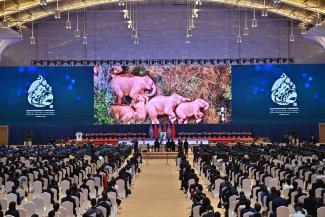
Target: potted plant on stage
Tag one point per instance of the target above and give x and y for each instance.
(28, 139)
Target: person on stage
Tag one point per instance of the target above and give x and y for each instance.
(157, 145)
(185, 145)
(168, 145)
(180, 146)
(136, 146)
(172, 145)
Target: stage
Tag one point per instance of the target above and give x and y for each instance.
(191, 141)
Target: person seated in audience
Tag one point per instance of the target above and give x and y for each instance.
(48, 190)
(298, 212)
(206, 206)
(1, 212)
(287, 184)
(75, 191)
(247, 208)
(124, 175)
(12, 210)
(299, 194)
(56, 207)
(85, 186)
(14, 191)
(264, 192)
(278, 201)
(225, 195)
(256, 185)
(104, 202)
(241, 201)
(70, 199)
(93, 210)
(257, 208)
(319, 184)
(51, 213)
(111, 188)
(295, 188)
(310, 203)
(320, 175)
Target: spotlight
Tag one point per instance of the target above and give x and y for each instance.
(318, 21)
(20, 32)
(292, 37)
(77, 33)
(239, 40)
(264, 13)
(303, 30)
(57, 14)
(68, 24)
(246, 31)
(5, 24)
(32, 40)
(254, 23)
(84, 40)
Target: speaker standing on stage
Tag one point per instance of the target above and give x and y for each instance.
(185, 145)
(157, 145)
(136, 146)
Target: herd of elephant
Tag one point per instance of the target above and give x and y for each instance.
(142, 90)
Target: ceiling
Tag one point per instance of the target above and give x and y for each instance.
(19, 12)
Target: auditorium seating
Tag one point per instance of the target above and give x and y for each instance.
(248, 169)
(44, 176)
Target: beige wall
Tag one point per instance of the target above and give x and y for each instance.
(4, 131)
(322, 133)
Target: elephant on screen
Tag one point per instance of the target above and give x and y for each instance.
(188, 109)
(164, 105)
(133, 86)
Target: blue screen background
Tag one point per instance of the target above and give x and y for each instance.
(251, 93)
(72, 90)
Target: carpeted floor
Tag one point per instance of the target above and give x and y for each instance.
(156, 193)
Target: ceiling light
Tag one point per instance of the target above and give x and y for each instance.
(254, 20)
(20, 32)
(32, 38)
(68, 22)
(292, 36)
(77, 31)
(84, 38)
(264, 10)
(57, 12)
(246, 29)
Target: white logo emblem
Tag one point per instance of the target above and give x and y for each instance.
(284, 91)
(40, 93)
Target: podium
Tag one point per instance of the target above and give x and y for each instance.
(79, 136)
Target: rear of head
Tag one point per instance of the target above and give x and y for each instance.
(257, 207)
(56, 207)
(12, 205)
(248, 203)
(51, 213)
(93, 202)
(68, 192)
(295, 184)
(278, 193)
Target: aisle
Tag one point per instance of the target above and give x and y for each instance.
(156, 193)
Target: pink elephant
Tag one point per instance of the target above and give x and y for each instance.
(133, 86)
(164, 105)
(188, 109)
(124, 113)
(128, 114)
(140, 112)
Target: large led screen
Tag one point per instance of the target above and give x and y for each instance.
(161, 94)
(278, 93)
(46, 95)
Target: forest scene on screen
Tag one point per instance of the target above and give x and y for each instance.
(161, 94)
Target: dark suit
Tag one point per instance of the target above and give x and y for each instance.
(245, 210)
(277, 202)
(72, 200)
(310, 204)
(106, 205)
(14, 213)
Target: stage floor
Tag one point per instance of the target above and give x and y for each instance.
(191, 141)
